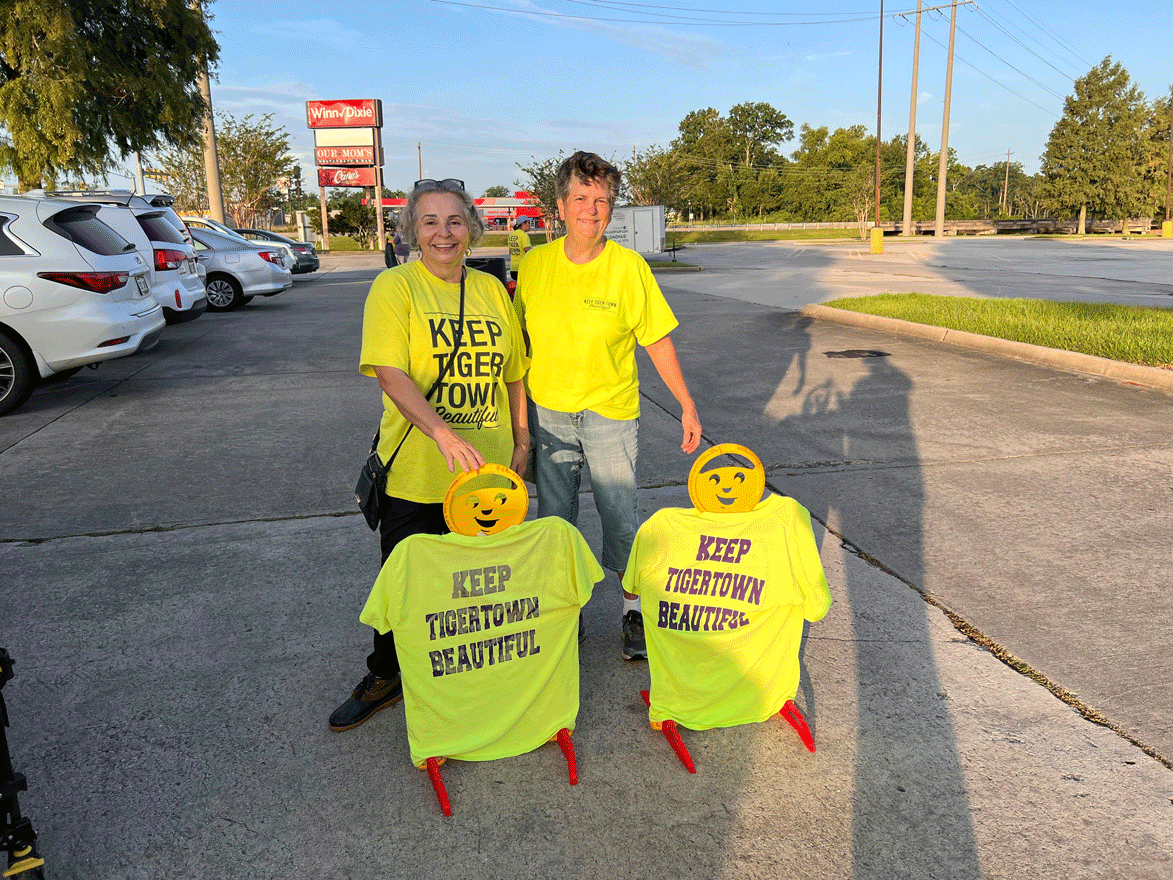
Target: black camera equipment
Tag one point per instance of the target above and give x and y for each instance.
(17, 837)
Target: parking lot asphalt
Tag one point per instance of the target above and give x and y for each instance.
(183, 570)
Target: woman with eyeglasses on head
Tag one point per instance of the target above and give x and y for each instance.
(446, 346)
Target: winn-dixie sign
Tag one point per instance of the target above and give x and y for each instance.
(357, 113)
(346, 177)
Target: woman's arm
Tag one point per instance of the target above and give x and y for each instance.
(663, 355)
(519, 417)
(415, 408)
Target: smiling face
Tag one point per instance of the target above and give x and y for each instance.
(586, 210)
(730, 489)
(486, 506)
(443, 234)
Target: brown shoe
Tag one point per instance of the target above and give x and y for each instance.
(371, 695)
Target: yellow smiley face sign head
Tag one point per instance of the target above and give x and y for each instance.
(733, 489)
(485, 501)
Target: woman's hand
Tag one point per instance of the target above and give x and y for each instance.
(692, 431)
(520, 458)
(457, 451)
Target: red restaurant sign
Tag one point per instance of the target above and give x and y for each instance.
(344, 155)
(346, 177)
(359, 113)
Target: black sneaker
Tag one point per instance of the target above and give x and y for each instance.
(371, 695)
(633, 636)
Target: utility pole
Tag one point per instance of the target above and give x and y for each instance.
(138, 174)
(1006, 185)
(211, 157)
(939, 226)
(1169, 173)
(879, 95)
(419, 153)
(910, 153)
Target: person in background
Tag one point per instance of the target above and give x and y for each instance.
(402, 248)
(519, 244)
(421, 318)
(586, 303)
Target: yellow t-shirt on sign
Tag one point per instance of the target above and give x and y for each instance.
(409, 323)
(487, 634)
(584, 323)
(724, 596)
(518, 244)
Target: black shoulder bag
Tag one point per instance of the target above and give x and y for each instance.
(372, 479)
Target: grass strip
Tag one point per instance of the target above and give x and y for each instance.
(1132, 334)
(719, 235)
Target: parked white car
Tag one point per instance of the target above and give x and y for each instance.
(238, 270)
(175, 281)
(291, 255)
(72, 292)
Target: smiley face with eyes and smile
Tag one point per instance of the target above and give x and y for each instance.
(488, 507)
(731, 489)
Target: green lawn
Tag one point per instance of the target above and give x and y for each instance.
(719, 235)
(1133, 334)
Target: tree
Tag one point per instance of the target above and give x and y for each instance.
(540, 186)
(497, 192)
(254, 155)
(349, 216)
(1098, 157)
(656, 177)
(83, 82)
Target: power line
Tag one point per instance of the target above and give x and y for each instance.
(996, 24)
(538, 13)
(991, 79)
(1046, 30)
(1042, 86)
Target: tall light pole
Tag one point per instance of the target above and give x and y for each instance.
(879, 96)
(211, 157)
(939, 226)
(910, 152)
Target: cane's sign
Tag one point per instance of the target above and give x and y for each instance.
(346, 177)
(356, 113)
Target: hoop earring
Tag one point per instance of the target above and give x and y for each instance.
(468, 253)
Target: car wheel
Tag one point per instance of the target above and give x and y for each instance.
(16, 378)
(224, 293)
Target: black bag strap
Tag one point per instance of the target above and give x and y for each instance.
(457, 338)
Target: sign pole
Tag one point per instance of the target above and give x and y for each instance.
(325, 220)
(379, 189)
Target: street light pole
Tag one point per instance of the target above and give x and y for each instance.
(910, 152)
(943, 167)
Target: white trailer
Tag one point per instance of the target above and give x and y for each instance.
(639, 227)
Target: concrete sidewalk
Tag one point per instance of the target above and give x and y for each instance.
(180, 635)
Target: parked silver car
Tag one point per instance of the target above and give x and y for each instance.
(238, 270)
(72, 292)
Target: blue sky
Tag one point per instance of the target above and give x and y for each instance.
(484, 84)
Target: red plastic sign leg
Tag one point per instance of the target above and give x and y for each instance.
(791, 714)
(647, 695)
(678, 745)
(568, 751)
(438, 785)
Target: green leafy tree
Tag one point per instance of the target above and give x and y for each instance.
(656, 177)
(254, 157)
(539, 183)
(84, 82)
(1098, 158)
(497, 192)
(350, 217)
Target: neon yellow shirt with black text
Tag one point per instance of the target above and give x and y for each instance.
(584, 323)
(409, 322)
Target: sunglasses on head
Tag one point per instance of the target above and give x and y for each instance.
(451, 184)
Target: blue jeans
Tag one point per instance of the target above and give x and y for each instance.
(609, 447)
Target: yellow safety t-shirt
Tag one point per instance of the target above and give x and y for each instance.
(518, 244)
(724, 596)
(487, 634)
(409, 323)
(584, 323)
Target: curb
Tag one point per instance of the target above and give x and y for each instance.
(1150, 377)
